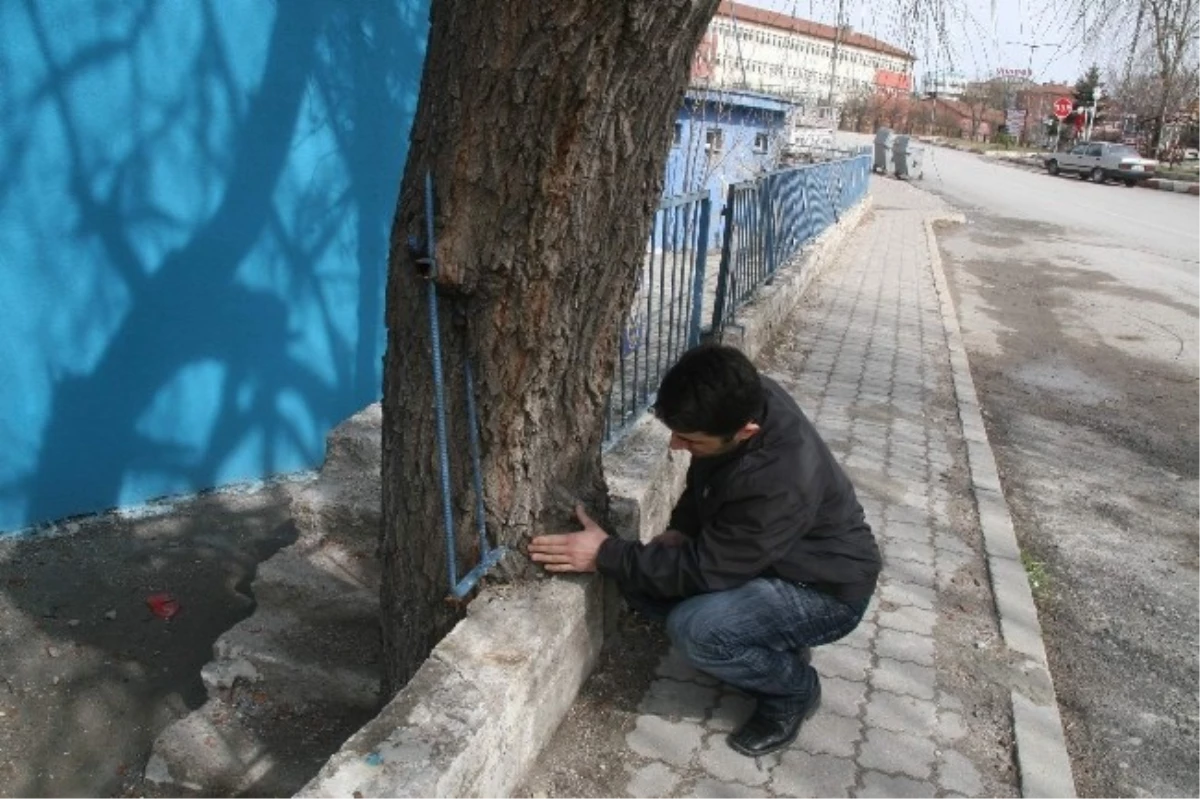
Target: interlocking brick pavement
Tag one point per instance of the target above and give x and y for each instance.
(868, 361)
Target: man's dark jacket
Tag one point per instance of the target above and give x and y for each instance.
(777, 506)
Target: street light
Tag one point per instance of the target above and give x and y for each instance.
(1033, 47)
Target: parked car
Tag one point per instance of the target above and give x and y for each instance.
(1101, 162)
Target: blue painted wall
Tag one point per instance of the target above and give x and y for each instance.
(740, 117)
(194, 208)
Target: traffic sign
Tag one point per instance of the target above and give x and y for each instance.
(1014, 121)
(1063, 107)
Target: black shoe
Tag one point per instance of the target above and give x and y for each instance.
(762, 735)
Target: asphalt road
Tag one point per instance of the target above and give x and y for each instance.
(1079, 308)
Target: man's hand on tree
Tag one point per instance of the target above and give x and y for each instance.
(570, 552)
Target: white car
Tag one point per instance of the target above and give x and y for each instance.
(1101, 162)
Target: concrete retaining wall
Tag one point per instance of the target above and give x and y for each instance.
(479, 711)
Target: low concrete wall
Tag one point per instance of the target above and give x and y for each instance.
(484, 704)
(479, 711)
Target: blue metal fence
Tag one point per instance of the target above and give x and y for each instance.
(665, 319)
(769, 219)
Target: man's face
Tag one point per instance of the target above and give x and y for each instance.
(703, 445)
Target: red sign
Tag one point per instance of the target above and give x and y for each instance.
(895, 81)
(1063, 107)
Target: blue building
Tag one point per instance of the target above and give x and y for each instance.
(723, 137)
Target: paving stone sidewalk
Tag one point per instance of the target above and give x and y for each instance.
(915, 700)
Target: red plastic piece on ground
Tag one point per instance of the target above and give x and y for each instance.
(164, 606)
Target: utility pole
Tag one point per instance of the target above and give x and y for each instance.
(1033, 48)
(737, 38)
(837, 42)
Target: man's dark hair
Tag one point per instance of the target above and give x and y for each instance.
(711, 389)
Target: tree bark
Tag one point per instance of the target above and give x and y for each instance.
(546, 128)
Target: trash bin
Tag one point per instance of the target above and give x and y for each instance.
(883, 151)
(907, 157)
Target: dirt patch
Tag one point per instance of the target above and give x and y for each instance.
(973, 665)
(90, 675)
(1097, 447)
(586, 755)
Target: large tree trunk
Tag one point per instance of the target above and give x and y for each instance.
(546, 127)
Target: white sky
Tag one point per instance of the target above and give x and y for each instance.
(977, 40)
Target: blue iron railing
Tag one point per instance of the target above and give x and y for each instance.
(769, 219)
(766, 223)
(665, 319)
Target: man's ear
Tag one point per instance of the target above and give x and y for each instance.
(749, 430)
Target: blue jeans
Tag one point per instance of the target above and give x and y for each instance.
(750, 637)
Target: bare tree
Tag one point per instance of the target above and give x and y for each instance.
(856, 110)
(981, 97)
(1174, 24)
(1161, 33)
(1138, 93)
(545, 127)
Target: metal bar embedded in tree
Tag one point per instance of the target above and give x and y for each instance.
(488, 556)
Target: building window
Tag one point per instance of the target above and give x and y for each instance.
(761, 143)
(677, 139)
(713, 139)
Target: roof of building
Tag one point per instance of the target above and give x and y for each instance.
(1057, 89)
(739, 98)
(785, 22)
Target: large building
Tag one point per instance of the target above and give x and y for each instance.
(764, 51)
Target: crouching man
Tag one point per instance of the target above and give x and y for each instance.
(767, 553)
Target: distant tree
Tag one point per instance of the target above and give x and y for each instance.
(1157, 35)
(981, 97)
(1088, 99)
(856, 111)
(1086, 86)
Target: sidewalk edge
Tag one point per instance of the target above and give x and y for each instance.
(1042, 758)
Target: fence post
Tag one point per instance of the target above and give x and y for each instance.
(768, 226)
(723, 270)
(833, 189)
(698, 272)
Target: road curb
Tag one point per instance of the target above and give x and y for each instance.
(1042, 758)
(1177, 186)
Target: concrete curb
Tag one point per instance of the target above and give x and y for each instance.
(479, 711)
(1177, 186)
(1042, 757)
